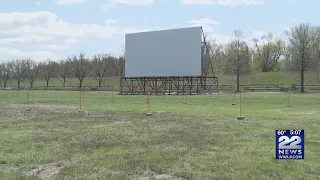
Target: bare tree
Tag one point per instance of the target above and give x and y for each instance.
(239, 55)
(18, 68)
(210, 51)
(113, 66)
(121, 65)
(64, 71)
(5, 73)
(287, 59)
(80, 67)
(215, 51)
(302, 40)
(48, 71)
(206, 64)
(269, 52)
(99, 66)
(316, 55)
(32, 71)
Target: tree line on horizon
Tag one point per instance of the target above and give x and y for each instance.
(300, 52)
(99, 66)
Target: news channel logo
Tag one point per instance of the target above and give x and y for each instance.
(289, 144)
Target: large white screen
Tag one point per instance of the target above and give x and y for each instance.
(174, 52)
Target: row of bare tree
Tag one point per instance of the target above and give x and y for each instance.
(299, 52)
(99, 66)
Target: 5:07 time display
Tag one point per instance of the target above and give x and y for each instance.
(295, 132)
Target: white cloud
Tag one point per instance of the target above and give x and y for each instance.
(11, 53)
(197, 2)
(113, 3)
(111, 21)
(69, 2)
(34, 40)
(223, 2)
(106, 7)
(220, 38)
(205, 23)
(258, 33)
(38, 3)
(43, 30)
(127, 30)
(46, 29)
(131, 2)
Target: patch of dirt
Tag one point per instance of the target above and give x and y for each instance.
(121, 122)
(264, 92)
(159, 112)
(303, 113)
(276, 110)
(5, 167)
(35, 111)
(158, 176)
(45, 172)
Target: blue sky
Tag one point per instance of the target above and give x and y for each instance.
(56, 29)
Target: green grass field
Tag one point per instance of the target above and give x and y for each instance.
(285, 78)
(43, 136)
